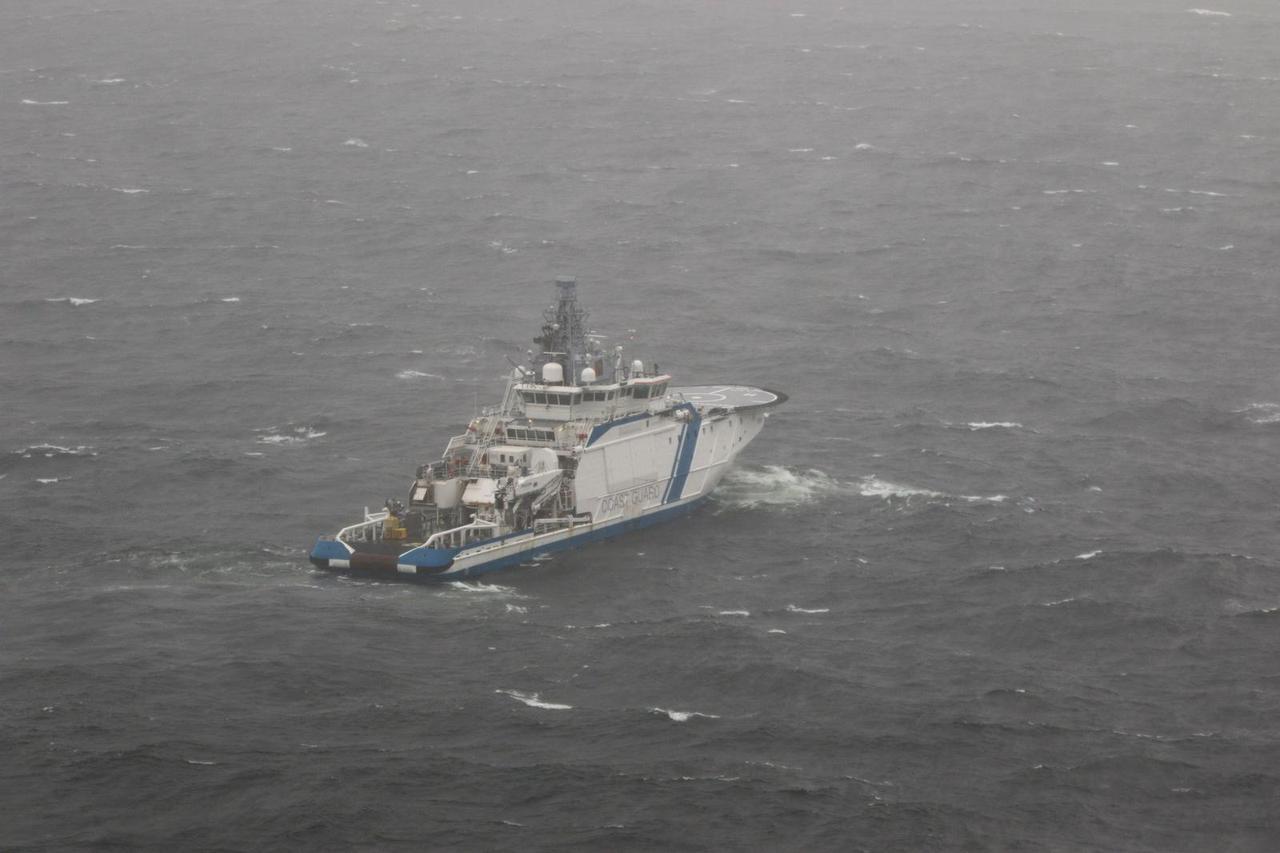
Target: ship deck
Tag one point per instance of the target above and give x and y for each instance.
(736, 397)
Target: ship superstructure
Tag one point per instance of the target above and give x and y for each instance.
(584, 445)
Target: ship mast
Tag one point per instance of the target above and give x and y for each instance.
(564, 333)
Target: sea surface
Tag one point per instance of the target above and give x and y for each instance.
(1003, 574)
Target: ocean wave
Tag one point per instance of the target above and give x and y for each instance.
(1209, 13)
(532, 700)
(417, 374)
(682, 716)
(76, 301)
(484, 589)
(794, 609)
(774, 486)
(977, 425)
(289, 435)
(873, 487)
(1260, 413)
(49, 451)
(32, 103)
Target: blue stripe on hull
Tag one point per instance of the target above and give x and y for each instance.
(693, 428)
(586, 538)
(609, 532)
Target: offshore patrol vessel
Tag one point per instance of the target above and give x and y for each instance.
(583, 447)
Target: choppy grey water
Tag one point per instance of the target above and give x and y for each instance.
(1002, 574)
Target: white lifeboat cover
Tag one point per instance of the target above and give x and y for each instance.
(479, 492)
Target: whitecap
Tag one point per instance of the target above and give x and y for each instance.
(32, 103)
(51, 450)
(110, 81)
(794, 609)
(874, 487)
(532, 700)
(800, 150)
(683, 716)
(1088, 555)
(356, 142)
(75, 301)
(734, 613)
(864, 146)
(46, 481)
(515, 608)
(201, 763)
(296, 436)
(1212, 13)
(1261, 413)
(775, 631)
(1057, 603)
(129, 190)
(231, 299)
(483, 588)
(979, 499)
(774, 486)
(417, 374)
(977, 425)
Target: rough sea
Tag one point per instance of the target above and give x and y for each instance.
(1001, 575)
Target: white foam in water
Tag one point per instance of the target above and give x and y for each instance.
(794, 609)
(32, 103)
(683, 716)
(1214, 13)
(129, 190)
(977, 425)
(46, 482)
(734, 613)
(1261, 413)
(417, 374)
(231, 299)
(532, 700)
(49, 451)
(1088, 555)
(774, 485)
(297, 436)
(77, 301)
(484, 588)
(356, 142)
(874, 487)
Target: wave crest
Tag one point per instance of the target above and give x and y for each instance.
(774, 486)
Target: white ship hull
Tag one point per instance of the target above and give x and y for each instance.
(556, 466)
